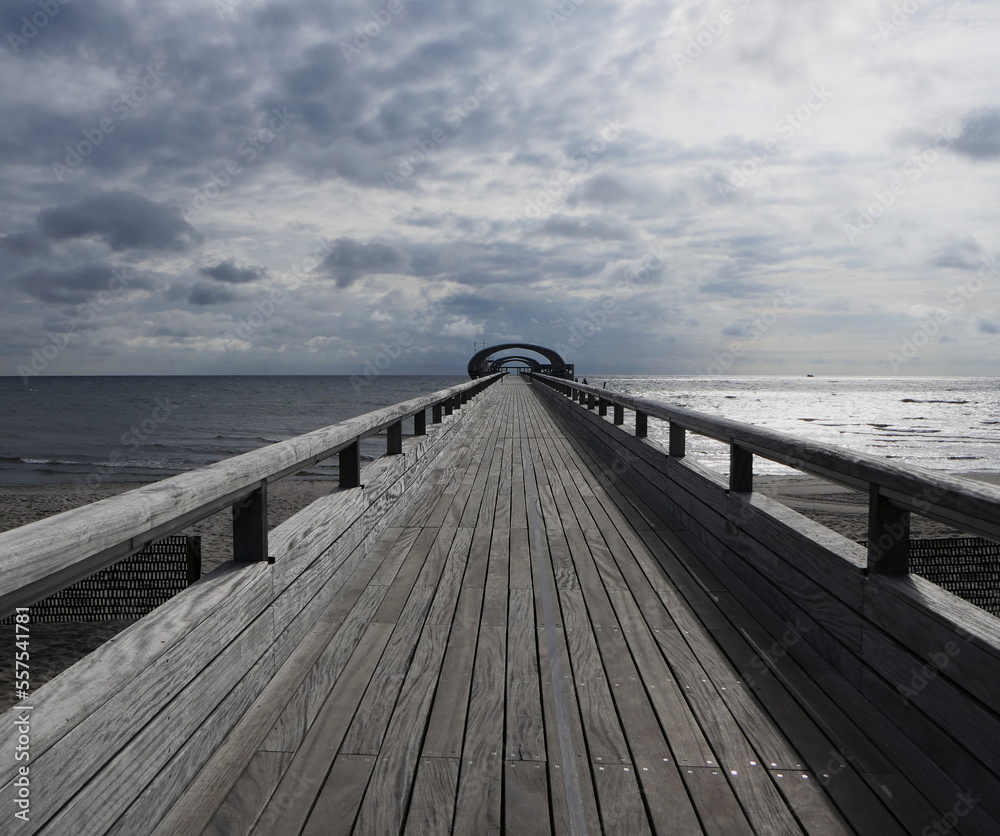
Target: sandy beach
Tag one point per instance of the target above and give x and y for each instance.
(55, 647)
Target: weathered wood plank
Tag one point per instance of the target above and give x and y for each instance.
(304, 779)
(244, 804)
(525, 730)
(384, 807)
(367, 730)
(715, 801)
(446, 727)
(526, 798)
(433, 804)
(620, 801)
(478, 808)
(336, 808)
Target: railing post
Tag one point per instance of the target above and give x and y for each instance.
(888, 535)
(641, 424)
(420, 422)
(350, 465)
(394, 439)
(619, 414)
(602, 406)
(740, 469)
(250, 527)
(591, 401)
(436, 414)
(678, 440)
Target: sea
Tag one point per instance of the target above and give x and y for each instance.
(140, 429)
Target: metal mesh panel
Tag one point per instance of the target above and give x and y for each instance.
(968, 567)
(130, 588)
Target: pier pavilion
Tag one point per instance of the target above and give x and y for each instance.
(527, 617)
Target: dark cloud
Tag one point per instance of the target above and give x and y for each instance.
(988, 326)
(980, 137)
(24, 243)
(205, 293)
(586, 228)
(227, 271)
(122, 219)
(965, 254)
(350, 260)
(606, 189)
(72, 285)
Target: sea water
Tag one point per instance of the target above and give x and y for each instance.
(948, 424)
(69, 429)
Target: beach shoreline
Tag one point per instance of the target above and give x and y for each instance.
(55, 647)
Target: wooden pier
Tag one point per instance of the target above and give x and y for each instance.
(527, 618)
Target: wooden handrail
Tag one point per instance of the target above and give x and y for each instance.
(892, 488)
(39, 559)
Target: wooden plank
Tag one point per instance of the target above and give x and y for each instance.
(715, 801)
(811, 805)
(478, 807)
(526, 798)
(667, 801)
(449, 585)
(299, 714)
(402, 584)
(525, 729)
(520, 559)
(384, 807)
(336, 807)
(433, 804)
(139, 759)
(244, 804)
(605, 739)
(367, 730)
(446, 727)
(622, 810)
(290, 805)
(164, 793)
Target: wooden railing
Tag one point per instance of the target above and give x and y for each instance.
(43, 557)
(894, 490)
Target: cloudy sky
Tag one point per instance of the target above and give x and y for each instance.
(739, 187)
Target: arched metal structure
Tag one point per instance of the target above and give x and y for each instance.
(499, 363)
(481, 363)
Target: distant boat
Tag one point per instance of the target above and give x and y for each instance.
(809, 375)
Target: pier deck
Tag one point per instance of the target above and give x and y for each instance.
(531, 650)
